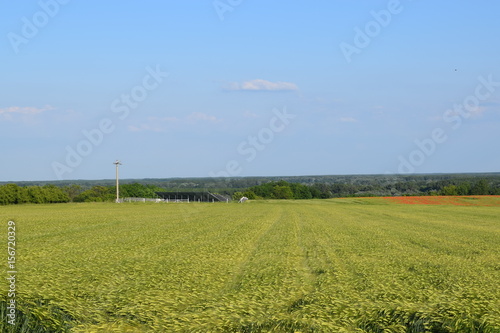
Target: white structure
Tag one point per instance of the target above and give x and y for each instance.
(243, 199)
(117, 163)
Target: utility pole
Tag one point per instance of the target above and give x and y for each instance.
(117, 163)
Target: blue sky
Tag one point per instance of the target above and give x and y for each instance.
(247, 88)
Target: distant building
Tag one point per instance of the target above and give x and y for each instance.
(202, 196)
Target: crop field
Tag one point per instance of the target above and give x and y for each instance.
(486, 200)
(339, 265)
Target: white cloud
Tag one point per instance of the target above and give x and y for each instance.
(164, 119)
(249, 114)
(199, 116)
(144, 127)
(348, 120)
(263, 85)
(9, 112)
(478, 111)
(473, 112)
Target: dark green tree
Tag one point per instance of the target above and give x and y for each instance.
(96, 194)
(464, 188)
(481, 188)
(237, 196)
(250, 194)
(449, 190)
(282, 192)
(72, 191)
(54, 194)
(8, 194)
(300, 191)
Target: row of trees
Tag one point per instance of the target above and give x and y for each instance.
(108, 193)
(279, 190)
(411, 188)
(349, 186)
(285, 190)
(14, 194)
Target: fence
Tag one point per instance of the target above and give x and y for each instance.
(153, 200)
(141, 200)
(187, 196)
(182, 197)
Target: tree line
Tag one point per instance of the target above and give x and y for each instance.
(15, 194)
(98, 193)
(304, 187)
(382, 183)
(285, 190)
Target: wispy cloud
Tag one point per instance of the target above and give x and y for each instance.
(262, 85)
(27, 115)
(472, 112)
(199, 116)
(249, 114)
(348, 120)
(164, 119)
(144, 127)
(23, 110)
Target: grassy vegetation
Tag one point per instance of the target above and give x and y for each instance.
(340, 265)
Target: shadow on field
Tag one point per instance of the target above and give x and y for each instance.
(410, 321)
(40, 316)
(36, 316)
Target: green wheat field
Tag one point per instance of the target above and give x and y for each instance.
(339, 265)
